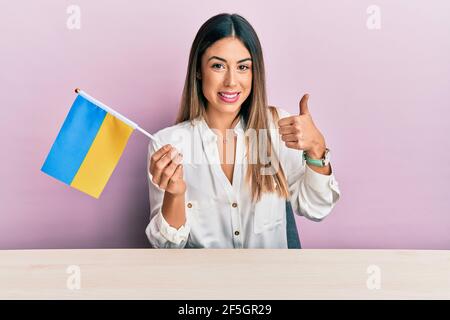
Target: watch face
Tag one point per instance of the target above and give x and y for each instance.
(327, 156)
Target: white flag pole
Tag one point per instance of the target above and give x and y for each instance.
(117, 115)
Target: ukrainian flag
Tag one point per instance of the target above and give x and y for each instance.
(88, 146)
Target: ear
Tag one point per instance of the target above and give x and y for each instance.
(199, 76)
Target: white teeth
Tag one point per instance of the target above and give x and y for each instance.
(228, 96)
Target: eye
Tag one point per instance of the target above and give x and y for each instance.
(217, 66)
(243, 67)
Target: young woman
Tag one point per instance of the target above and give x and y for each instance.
(230, 162)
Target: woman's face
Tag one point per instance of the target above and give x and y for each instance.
(226, 73)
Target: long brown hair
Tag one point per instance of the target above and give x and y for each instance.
(253, 110)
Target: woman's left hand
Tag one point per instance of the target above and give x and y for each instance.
(299, 132)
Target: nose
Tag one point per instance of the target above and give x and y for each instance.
(230, 78)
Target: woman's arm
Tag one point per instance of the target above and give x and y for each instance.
(173, 210)
(313, 190)
(168, 227)
(300, 132)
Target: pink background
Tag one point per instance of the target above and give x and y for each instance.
(380, 97)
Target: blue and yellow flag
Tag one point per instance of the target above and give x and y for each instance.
(88, 146)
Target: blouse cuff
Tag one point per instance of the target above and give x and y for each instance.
(172, 234)
(319, 182)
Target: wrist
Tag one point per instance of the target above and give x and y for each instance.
(174, 195)
(317, 152)
(177, 189)
(322, 159)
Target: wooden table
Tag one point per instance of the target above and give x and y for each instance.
(224, 274)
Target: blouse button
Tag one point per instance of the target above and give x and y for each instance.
(236, 233)
(189, 205)
(234, 205)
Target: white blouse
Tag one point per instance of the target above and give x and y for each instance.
(220, 214)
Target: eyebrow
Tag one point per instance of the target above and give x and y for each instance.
(222, 59)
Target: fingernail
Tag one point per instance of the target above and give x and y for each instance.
(173, 153)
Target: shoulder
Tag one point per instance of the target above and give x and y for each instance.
(166, 133)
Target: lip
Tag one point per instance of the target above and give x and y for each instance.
(229, 99)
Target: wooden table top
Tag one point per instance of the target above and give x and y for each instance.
(228, 274)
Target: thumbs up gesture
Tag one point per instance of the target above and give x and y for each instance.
(299, 132)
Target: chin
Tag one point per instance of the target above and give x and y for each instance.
(227, 108)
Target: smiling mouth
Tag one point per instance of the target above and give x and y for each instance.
(229, 97)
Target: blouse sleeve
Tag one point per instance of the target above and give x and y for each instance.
(313, 195)
(158, 231)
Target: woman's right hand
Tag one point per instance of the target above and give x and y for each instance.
(166, 170)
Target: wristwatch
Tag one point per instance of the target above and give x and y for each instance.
(318, 162)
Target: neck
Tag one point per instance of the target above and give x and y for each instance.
(221, 121)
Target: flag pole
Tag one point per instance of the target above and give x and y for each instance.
(117, 115)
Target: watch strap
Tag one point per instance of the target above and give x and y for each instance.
(315, 162)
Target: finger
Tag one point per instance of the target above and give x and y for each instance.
(289, 137)
(161, 164)
(303, 105)
(158, 155)
(169, 171)
(177, 175)
(287, 129)
(161, 152)
(286, 121)
(293, 145)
